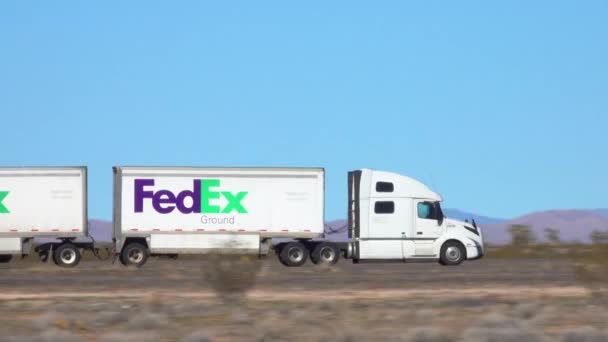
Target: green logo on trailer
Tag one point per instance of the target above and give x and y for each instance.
(3, 209)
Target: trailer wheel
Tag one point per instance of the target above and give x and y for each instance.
(5, 258)
(66, 255)
(325, 254)
(293, 254)
(134, 254)
(452, 253)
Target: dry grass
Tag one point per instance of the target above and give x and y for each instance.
(229, 298)
(414, 319)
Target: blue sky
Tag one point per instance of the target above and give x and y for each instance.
(501, 107)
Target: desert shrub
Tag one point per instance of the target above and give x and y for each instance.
(521, 235)
(130, 336)
(145, 320)
(270, 335)
(52, 320)
(56, 335)
(584, 334)
(599, 238)
(197, 336)
(499, 328)
(591, 266)
(426, 334)
(526, 310)
(552, 236)
(425, 315)
(109, 317)
(231, 276)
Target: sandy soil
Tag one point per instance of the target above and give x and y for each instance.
(182, 299)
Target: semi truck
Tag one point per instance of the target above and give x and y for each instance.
(190, 210)
(47, 203)
(199, 210)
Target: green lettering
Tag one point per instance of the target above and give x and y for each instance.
(207, 195)
(3, 209)
(234, 202)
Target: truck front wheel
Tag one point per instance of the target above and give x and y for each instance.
(66, 255)
(293, 254)
(325, 254)
(134, 254)
(452, 254)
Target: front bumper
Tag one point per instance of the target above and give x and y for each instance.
(474, 252)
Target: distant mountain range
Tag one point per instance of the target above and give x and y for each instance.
(602, 212)
(463, 215)
(573, 225)
(100, 230)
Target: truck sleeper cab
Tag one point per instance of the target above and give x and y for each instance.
(393, 217)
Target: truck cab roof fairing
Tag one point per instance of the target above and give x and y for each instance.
(403, 186)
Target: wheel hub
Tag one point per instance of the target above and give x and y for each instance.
(68, 256)
(328, 254)
(136, 256)
(295, 255)
(452, 253)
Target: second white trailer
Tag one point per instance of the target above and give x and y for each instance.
(46, 202)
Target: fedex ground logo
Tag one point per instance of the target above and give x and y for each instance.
(203, 198)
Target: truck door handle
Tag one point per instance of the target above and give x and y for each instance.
(419, 233)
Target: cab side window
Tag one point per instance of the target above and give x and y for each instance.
(385, 187)
(426, 210)
(384, 207)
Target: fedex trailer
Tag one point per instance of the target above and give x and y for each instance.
(43, 202)
(189, 210)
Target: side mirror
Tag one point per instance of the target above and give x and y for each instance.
(440, 216)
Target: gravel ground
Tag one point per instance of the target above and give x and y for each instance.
(209, 300)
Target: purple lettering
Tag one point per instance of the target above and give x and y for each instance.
(196, 199)
(140, 194)
(165, 201)
(163, 197)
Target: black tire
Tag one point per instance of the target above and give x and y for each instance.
(134, 254)
(66, 255)
(325, 254)
(293, 254)
(452, 254)
(4, 258)
(277, 250)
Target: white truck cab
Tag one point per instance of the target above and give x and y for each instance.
(394, 217)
